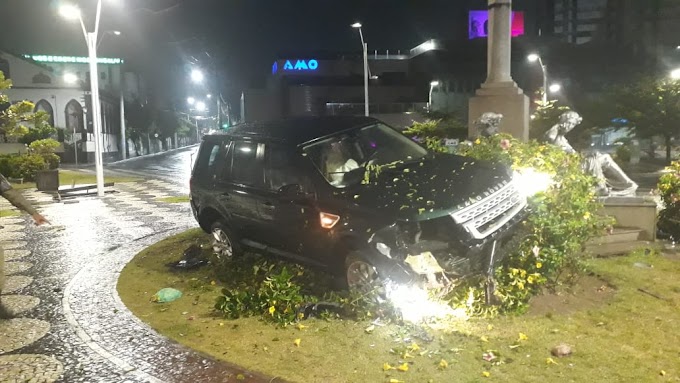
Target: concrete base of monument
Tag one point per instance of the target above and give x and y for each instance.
(504, 98)
(635, 226)
(636, 212)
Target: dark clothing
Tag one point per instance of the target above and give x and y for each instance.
(14, 197)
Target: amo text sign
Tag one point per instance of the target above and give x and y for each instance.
(300, 65)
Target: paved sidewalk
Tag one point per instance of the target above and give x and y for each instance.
(72, 327)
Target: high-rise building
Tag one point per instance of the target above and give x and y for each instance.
(578, 21)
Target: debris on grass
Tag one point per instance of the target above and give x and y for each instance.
(561, 350)
(166, 295)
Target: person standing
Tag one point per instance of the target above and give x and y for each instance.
(16, 199)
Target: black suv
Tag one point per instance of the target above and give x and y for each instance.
(354, 196)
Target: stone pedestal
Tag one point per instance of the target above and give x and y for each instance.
(637, 212)
(499, 93)
(507, 100)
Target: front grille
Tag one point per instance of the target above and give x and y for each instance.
(489, 214)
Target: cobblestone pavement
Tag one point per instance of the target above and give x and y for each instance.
(72, 327)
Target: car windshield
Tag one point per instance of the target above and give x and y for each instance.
(344, 156)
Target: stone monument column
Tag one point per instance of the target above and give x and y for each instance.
(499, 93)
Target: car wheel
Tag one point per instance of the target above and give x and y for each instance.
(225, 243)
(360, 274)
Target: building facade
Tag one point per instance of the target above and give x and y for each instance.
(41, 80)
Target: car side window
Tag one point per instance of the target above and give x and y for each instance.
(247, 165)
(207, 159)
(281, 168)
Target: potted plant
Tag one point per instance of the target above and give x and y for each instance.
(47, 179)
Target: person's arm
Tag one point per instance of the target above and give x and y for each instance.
(15, 198)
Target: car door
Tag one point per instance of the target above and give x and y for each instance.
(241, 187)
(290, 222)
(209, 162)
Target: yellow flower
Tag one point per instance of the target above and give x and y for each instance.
(530, 279)
(477, 141)
(300, 326)
(407, 355)
(486, 374)
(539, 265)
(403, 367)
(271, 310)
(514, 271)
(297, 341)
(443, 364)
(523, 336)
(550, 361)
(414, 347)
(392, 380)
(387, 367)
(520, 285)
(586, 215)
(483, 338)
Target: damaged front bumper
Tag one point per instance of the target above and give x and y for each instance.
(425, 259)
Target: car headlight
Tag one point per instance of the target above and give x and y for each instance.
(529, 182)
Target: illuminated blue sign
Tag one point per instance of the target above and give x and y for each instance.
(300, 65)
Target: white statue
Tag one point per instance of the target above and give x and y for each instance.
(611, 179)
(487, 124)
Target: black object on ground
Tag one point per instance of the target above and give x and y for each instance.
(191, 259)
(311, 310)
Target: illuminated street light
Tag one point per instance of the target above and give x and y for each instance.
(200, 106)
(209, 95)
(191, 100)
(117, 33)
(554, 88)
(196, 76)
(72, 12)
(364, 47)
(428, 46)
(70, 78)
(675, 74)
(69, 11)
(533, 57)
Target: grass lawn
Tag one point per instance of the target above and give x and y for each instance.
(9, 213)
(67, 177)
(180, 199)
(622, 325)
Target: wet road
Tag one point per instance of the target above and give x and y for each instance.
(71, 325)
(173, 167)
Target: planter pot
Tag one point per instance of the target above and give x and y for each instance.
(47, 180)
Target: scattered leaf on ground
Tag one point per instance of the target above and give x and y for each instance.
(443, 364)
(403, 367)
(486, 374)
(386, 367)
(297, 341)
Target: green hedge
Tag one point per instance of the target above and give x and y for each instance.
(22, 166)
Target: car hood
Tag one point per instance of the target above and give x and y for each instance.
(426, 189)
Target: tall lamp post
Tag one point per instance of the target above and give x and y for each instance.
(534, 58)
(73, 13)
(429, 99)
(364, 46)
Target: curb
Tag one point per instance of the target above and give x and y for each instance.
(196, 366)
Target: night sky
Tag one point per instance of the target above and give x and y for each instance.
(238, 38)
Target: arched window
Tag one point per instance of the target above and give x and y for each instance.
(74, 116)
(45, 106)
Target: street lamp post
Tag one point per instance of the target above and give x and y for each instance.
(533, 58)
(429, 100)
(72, 12)
(365, 49)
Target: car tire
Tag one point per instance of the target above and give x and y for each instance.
(360, 274)
(225, 243)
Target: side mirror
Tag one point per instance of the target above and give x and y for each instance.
(292, 192)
